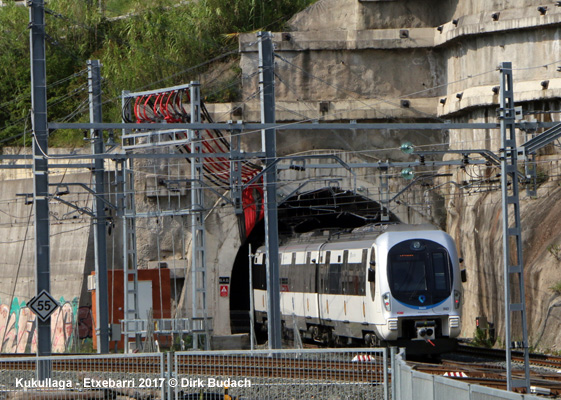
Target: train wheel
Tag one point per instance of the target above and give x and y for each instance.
(370, 339)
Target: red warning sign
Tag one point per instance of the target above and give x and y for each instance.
(223, 290)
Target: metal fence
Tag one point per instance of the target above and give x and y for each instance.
(83, 377)
(408, 384)
(331, 374)
(197, 375)
(282, 374)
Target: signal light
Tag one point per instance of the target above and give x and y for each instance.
(457, 299)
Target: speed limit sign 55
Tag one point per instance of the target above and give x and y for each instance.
(43, 305)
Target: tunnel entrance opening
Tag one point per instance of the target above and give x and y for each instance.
(325, 209)
(239, 282)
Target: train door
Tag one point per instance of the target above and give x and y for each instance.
(322, 284)
(332, 303)
(299, 276)
(260, 286)
(310, 304)
(354, 285)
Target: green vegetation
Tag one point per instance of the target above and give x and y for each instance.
(160, 43)
(555, 251)
(481, 338)
(556, 288)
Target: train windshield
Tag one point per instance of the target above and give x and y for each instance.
(419, 272)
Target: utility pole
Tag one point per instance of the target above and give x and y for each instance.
(268, 140)
(198, 259)
(512, 234)
(100, 238)
(40, 174)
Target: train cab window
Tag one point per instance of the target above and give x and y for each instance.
(419, 272)
(409, 275)
(441, 282)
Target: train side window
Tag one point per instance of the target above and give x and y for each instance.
(370, 274)
(440, 268)
(335, 279)
(372, 266)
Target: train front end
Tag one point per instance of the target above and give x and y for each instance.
(420, 291)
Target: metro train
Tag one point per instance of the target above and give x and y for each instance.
(397, 285)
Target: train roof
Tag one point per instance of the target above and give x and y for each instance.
(362, 237)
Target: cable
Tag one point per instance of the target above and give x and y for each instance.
(19, 266)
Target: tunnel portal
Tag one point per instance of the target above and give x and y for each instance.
(331, 208)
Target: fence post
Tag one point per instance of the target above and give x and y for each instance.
(170, 374)
(386, 386)
(163, 374)
(394, 373)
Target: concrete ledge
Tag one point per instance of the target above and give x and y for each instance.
(478, 24)
(358, 109)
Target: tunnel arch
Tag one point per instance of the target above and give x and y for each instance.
(328, 208)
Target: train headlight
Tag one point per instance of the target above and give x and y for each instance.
(386, 300)
(457, 299)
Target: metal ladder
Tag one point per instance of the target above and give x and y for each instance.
(198, 263)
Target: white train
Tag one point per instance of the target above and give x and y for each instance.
(390, 284)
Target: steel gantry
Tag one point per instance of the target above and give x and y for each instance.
(515, 302)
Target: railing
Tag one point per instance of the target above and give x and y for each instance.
(84, 377)
(282, 374)
(263, 374)
(166, 326)
(408, 384)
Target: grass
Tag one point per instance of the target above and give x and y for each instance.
(116, 8)
(67, 138)
(555, 251)
(556, 287)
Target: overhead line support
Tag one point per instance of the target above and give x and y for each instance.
(268, 141)
(100, 238)
(40, 174)
(512, 233)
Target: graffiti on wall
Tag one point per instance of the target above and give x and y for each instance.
(18, 333)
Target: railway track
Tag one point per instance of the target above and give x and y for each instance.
(545, 371)
(212, 365)
(543, 360)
